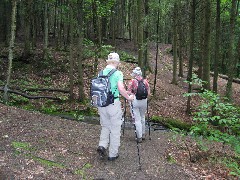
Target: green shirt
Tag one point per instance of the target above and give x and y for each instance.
(114, 78)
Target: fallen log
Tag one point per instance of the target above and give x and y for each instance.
(235, 80)
(29, 96)
(46, 89)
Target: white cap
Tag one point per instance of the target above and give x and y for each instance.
(113, 57)
(137, 72)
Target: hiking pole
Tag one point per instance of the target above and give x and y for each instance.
(124, 115)
(148, 123)
(135, 130)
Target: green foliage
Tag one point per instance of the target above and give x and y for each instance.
(215, 119)
(23, 148)
(102, 8)
(124, 56)
(49, 108)
(171, 159)
(21, 145)
(47, 162)
(173, 124)
(82, 170)
(17, 100)
(233, 165)
(105, 50)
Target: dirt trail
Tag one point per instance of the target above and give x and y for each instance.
(70, 146)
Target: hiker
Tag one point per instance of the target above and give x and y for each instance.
(111, 115)
(139, 104)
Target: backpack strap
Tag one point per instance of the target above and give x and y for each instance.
(100, 73)
(111, 72)
(108, 75)
(140, 80)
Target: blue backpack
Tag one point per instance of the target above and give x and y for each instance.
(100, 90)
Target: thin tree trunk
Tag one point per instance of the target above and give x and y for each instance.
(191, 58)
(217, 47)
(156, 62)
(206, 50)
(27, 29)
(232, 59)
(11, 47)
(129, 19)
(71, 53)
(201, 42)
(96, 37)
(140, 27)
(180, 42)
(145, 60)
(45, 46)
(80, 50)
(174, 79)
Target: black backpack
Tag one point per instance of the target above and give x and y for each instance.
(142, 91)
(100, 91)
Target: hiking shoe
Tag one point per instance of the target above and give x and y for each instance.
(113, 158)
(101, 151)
(143, 137)
(139, 140)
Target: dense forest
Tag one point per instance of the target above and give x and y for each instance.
(56, 46)
(206, 33)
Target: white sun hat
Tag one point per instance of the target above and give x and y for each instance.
(137, 72)
(113, 57)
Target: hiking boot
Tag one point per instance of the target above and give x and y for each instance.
(101, 151)
(139, 140)
(143, 137)
(113, 158)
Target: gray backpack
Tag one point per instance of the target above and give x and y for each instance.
(100, 91)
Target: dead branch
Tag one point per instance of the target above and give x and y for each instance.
(235, 80)
(28, 96)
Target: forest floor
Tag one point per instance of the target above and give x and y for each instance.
(38, 146)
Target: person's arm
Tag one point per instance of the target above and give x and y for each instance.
(129, 88)
(124, 92)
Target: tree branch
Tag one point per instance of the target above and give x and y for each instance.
(28, 96)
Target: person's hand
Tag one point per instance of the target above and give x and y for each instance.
(131, 97)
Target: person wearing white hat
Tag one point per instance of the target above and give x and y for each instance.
(111, 115)
(139, 105)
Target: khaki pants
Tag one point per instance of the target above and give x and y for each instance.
(111, 121)
(139, 110)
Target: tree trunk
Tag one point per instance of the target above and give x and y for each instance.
(4, 21)
(140, 26)
(232, 59)
(129, 20)
(174, 79)
(156, 58)
(201, 42)
(217, 47)
(80, 51)
(27, 28)
(45, 46)
(191, 58)
(146, 36)
(71, 53)
(11, 47)
(96, 37)
(181, 43)
(206, 50)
